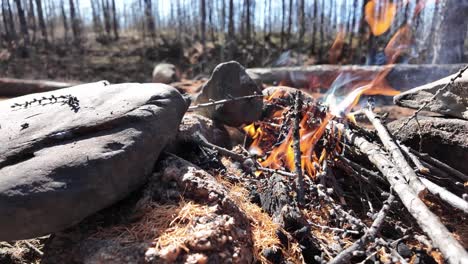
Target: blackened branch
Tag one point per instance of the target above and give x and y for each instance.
(297, 148)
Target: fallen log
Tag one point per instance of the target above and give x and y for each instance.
(10, 87)
(403, 76)
(429, 222)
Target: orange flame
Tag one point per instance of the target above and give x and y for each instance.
(380, 14)
(337, 47)
(257, 135)
(399, 43)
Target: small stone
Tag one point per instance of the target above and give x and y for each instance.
(230, 80)
(404, 250)
(165, 73)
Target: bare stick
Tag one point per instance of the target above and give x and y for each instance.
(397, 155)
(223, 101)
(439, 164)
(429, 223)
(421, 168)
(297, 149)
(280, 172)
(452, 81)
(203, 142)
(348, 253)
(31, 246)
(446, 196)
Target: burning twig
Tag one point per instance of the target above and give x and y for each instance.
(297, 149)
(348, 253)
(280, 172)
(429, 223)
(397, 156)
(224, 101)
(445, 87)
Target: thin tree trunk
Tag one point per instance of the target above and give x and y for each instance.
(290, 22)
(97, 26)
(203, 21)
(231, 19)
(115, 23)
(32, 20)
(65, 20)
(11, 21)
(107, 16)
(283, 17)
(75, 23)
(247, 20)
(351, 30)
(150, 19)
(322, 37)
(42, 24)
(314, 27)
(301, 19)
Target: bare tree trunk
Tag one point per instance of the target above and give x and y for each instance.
(32, 20)
(290, 22)
(203, 21)
(11, 21)
(97, 26)
(314, 27)
(301, 19)
(42, 24)
(451, 32)
(283, 17)
(150, 19)
(231, 19)
(75, 24)
(351, 30)
(65, 21)
(115, 23)
(107, 16)
(322, 37)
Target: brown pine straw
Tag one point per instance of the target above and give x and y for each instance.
(263, 228)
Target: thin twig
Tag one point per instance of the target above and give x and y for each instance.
(224, 101)
(280, 172)
(371, 233)
(445, 87)
(297, 149)
(200, 139)
(31, 246)
(439, 164)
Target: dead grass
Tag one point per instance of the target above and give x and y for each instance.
(263, 228)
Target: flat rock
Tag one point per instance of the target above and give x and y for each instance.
(66, 158)
(230, 80)
(443, 138)
(450, 102)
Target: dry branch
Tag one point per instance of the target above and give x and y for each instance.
(440, 165)
(223, 101)
(297, 148)
(371, 233)
(429, 223)
(446, 196)
(200, 139)
(416, 185)
(10, 87)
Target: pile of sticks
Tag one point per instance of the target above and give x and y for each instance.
(375, 162)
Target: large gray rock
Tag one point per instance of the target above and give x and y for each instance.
(165, 73)
(451, 102)
(443, 138)
(230, 80)
(60, 162)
